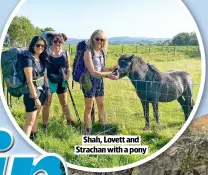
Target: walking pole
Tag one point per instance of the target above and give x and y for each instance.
(75, 109)
(72, 99)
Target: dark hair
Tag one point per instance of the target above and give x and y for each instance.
(44, 54)
(61, 36)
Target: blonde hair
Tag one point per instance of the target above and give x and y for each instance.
(105, 42)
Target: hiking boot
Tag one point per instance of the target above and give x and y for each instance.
(44, 126)
(33, 135)
(105, 127)
(70, 122)
(88, 131)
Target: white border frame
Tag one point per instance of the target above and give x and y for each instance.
(41, 151)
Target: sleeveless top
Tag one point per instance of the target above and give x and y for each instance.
(54, 63)
(98, 62)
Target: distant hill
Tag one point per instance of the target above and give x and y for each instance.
(125, 40)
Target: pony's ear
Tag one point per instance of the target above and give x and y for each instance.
(135, 63)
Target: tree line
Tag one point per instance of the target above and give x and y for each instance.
(21, 31)
(185, 39)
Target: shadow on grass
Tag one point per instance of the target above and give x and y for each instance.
(98, 129)
(60, 130)
(139, 115)
(173, 124)
(154, 139)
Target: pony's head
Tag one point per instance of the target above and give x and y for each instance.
(129, 64)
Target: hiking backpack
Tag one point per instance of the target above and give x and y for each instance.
(48, 36)
(12, 70)
(79, 67)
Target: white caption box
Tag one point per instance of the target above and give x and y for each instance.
(130, 140)
(98, 150)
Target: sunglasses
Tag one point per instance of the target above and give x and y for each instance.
(40, 45)
(56, 42)
(100, 39)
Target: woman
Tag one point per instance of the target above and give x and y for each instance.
(58, 71)
(34, 69)
(94, 60)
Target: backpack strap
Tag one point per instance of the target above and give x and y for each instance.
(93, 53)
(35, 69)
(67, 61)
(103, 55)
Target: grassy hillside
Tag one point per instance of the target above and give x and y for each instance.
(122, 106)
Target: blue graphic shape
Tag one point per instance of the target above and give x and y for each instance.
(6, 141)
(2, 164)
(22, 165)
(50, 164)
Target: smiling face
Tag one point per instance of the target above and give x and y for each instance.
(124, 65)
(39, 47)
(57, 43)
(99, 40)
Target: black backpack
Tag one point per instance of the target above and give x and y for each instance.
(12, 70)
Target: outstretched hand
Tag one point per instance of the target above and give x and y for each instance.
(112, 76)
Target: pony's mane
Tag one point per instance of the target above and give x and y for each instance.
(153, 68)
(140, 64)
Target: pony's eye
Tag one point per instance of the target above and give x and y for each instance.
(122, 62)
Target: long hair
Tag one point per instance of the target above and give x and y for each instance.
(92, 38)
(44, 54)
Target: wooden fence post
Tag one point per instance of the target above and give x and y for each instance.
(149, 48)
(174, 50)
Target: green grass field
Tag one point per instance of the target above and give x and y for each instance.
(123, 109)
